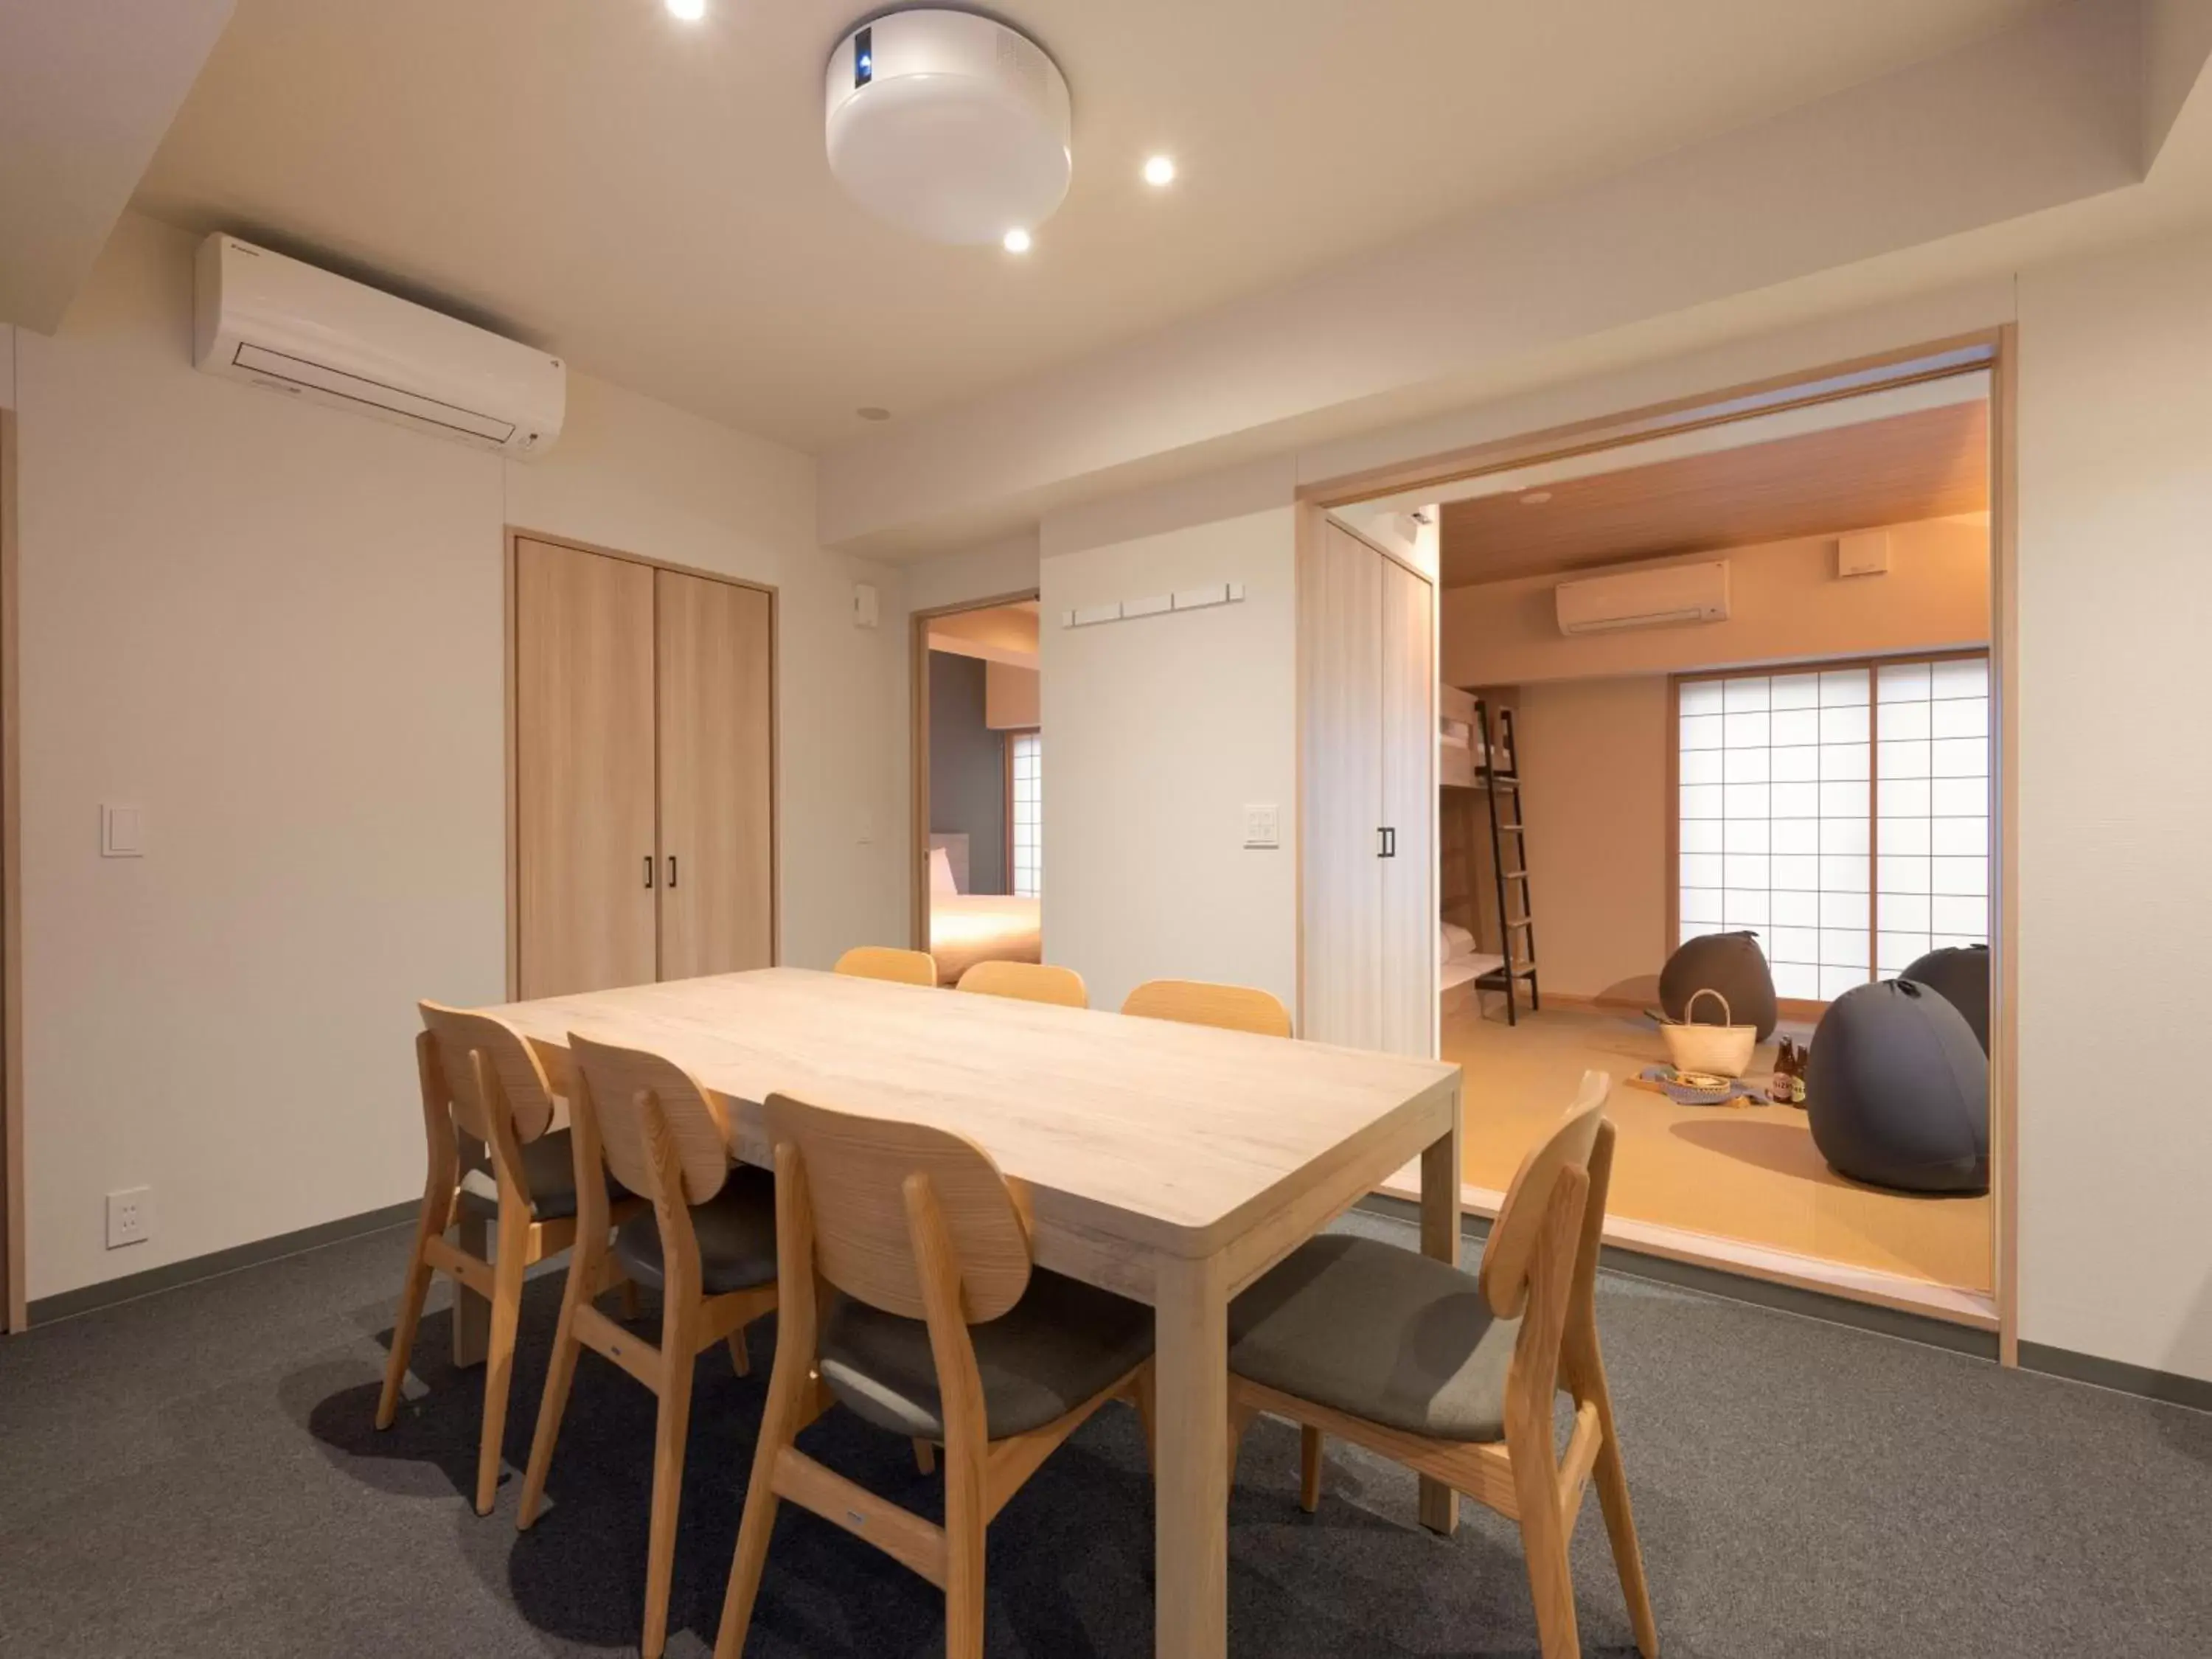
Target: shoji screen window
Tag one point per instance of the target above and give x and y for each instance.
(1775, 832)
(1027, 801)
(1932, 808)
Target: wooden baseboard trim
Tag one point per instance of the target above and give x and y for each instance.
(2169, 1387)
(1899, 1293)
(109, 1292)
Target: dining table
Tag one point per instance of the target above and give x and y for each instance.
(1173, 1163)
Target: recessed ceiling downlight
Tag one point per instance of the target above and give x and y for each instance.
(689, 11)
(1016, 242)
(1160, 170)
(948, 124)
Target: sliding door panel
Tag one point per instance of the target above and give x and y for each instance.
(1339, 602)
(583, 758)
(717, 817)
(1409, 913)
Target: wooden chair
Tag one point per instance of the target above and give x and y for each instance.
(481, 1079)
(709, 1243)
(1031, 982)
(1454, 1375)
(887, 962)
(942, 1331)
(1195, 1002)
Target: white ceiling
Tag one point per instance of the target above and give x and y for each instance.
(650, 199)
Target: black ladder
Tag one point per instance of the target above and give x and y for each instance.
(1501, 783)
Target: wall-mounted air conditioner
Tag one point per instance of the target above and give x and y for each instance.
(1657, 597)
(260, 317)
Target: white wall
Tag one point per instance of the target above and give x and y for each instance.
(1159, 731)
(2116, 805)
(278, 629)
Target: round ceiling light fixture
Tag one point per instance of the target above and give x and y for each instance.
(948, 124)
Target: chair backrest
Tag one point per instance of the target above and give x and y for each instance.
(856, 1171)
(887, 962)
(1509, 1257)
(1195, 1002)
(510, 1063)
(613, 1086)
(1030, 981)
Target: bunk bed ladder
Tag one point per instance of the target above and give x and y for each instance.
(1509, 861)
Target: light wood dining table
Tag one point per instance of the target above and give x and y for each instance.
(1172, 1164)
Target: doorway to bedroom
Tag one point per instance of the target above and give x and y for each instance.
(979, 784)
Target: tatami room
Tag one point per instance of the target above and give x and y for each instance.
(1723, 754)
(565, 571)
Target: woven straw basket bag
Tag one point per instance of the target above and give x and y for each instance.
(1723, 1049)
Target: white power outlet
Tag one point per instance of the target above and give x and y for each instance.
(130, 1216)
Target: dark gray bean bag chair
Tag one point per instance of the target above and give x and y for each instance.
(1731, 963)
(1961, 976)
(1897, 1090)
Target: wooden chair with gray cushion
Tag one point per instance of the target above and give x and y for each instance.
(1196, 1002)
(1030, 981)
(888, 961)
(1453, 1374)
(709, 1243)
(480, 1081)
(935, 1326)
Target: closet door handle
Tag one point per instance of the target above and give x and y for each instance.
(672, 870)
(649, 869)
(1386, 842)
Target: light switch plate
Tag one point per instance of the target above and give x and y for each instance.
(1263, 826)
(122, 831)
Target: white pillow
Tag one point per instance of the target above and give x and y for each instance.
(940, 872)
(1457, 941)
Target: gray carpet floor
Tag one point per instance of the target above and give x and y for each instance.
(195, 1474)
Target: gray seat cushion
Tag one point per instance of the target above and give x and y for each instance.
(736, 1230)
(1389, 1335)
(1063, 1342)
(548, 1164)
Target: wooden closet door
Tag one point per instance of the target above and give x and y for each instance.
(717, 787)
(1409, 906)
(583, 760)
(1339, 624)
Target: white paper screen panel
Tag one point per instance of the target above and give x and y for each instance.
(1841, 813)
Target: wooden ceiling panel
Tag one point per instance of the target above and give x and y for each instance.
(1928, 465)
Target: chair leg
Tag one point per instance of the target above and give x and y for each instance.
(412, 1295)
(499, 1356)
(629, 1298)
(1544, 1541)
(963, 1554)
(925, 1457)
(1610, 1475)
(740, 1361)
(560, 1374)
(790, 1385)
(1310, 1439)
(1147, 1399)
(671, 1430)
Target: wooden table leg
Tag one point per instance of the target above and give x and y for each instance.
(1191, 1304)
(1440, 1179)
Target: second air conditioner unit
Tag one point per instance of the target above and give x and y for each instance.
(1658, 596)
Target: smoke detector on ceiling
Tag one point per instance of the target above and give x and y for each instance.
(948, 124)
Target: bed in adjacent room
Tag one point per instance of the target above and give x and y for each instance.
(966, 928)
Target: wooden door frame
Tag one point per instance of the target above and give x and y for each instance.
(917, 863)
(15, 1314)
(515, 534)
(1995, 351)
